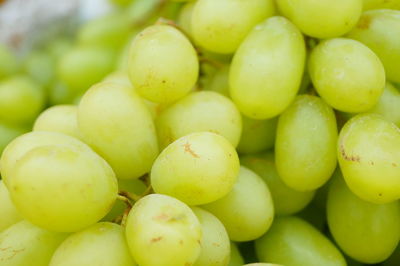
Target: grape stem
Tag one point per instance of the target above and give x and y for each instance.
(122, 197)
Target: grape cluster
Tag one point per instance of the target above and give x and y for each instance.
(206, 133)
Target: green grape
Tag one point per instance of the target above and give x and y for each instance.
(163, 231)
(21, 99)
(249, 198)
(59, 93)
(39, 65)
(388, 104)
(81, 67)
(305, 145)
(8, 213)
(108, 31)
(220, 26)
(394, 259)
(198, 168)
(25, 244)
(163, 65)
(381, 4)
(200, 111)
(8, 62)
(59, 118)
(122, 3)
(292, 241)
(215, 244)
(101, 244)
(115, 122)
(323, 18)
(8, 133)
(369, 157)
(140, 11)
(286, 200)
(62, 188)
(262, 264)
(266, 70)
(57, 47)
(185, 18)
(365, 231)
(347, 74)
(219, 82)
(380, 31)
(236, 258)
(257, 135)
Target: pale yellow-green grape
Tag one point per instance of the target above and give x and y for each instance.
(8, 213)
(323, 18)
(380, 31)
(369, 157)
(81, 67)
(236, 258)
(59, 118)
(286, 200)
(108, 31)
(140, 11)
(8, 62)
(59, 93)
(388, 104)
(305, 145)
(266, 70)
(215, 243)
(101, 244)
(24, 244)
(62, 188)
(57, 47)
(163, 231)
(365, 231)
(40, 65)
(8, 133)
(185, 17)
(347, 74)
(292, 241)
(122, 3)
(262, 264)
(381, 4)
(219, 82)
(197, 169)
(220, 26)
(197, 112)
(257, 135)
(247, 211)
(114, 120)
(163, 65)
(21, 99)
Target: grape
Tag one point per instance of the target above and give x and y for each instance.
(369, 157)
(292, 241)
(215, 244)
(185, 17)
(219, 82)
(323, 18)
(394, 259)
(122, 3)
(236, 258)
(57, 47)
(25, 244)
(267, 68)
(380, 31)
(200, 111)
(116, 123)
(249, 198)
(220, 26)
(100, 244)
(305, 145)
(286, 200)
(8, 213)
(40, 66)
(59, 93)
(21, 99)
(163, 231)
(388, 104)
(366, 231)
(163, 64)
(257, 135)
(62, 188)
(381, 4)
(262, 264)
(8, 133)
(59, 118)
(8, 62)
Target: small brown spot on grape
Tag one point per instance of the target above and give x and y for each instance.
(188, 149)
(364, 22)
(181, 242)
(394, 164)
(156, 239)
(380, 194)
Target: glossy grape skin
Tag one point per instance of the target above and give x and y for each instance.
(365, 231)
(292, 241)
(115, 122)
(305, 146)
(200, 111)
(381, 4)
(8, 213)
(286, 200)
(163, 231)
(380, 31)
(236, 258)
(220, 26)
(388, 104)
(25, 244)
(8, 133)
(324, 18)
(347, 74)
(197, 169)
(267, 68)
(8, 62)
(369, 156)
(100, 244)
(185, 17)
(249, 198)
(163, 64)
